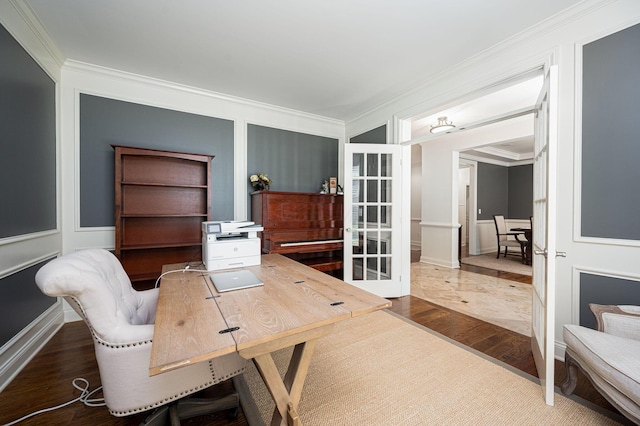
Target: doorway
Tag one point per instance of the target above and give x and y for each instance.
(505, 142)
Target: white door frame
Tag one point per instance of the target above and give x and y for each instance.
(472, 243)
(544, 352)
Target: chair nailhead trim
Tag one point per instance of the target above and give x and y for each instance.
(215, 379)
(161, 402)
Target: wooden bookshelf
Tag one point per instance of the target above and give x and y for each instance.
(161, 200)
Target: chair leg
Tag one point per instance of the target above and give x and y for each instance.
(174, 418)
(191, 407)
(570, 383)
(158, 417)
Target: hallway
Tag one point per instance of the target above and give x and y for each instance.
(495, 300)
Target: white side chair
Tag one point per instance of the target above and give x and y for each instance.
(607, 356)
(507, 239)
(121, 321)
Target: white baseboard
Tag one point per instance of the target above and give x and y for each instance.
(17, 353)
(438, 262)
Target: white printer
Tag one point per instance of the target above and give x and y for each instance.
(230, 244)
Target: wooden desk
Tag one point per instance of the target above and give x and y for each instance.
(296, 306)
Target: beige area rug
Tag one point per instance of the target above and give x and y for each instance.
(508, 264)
(379, 369)
(497, 301)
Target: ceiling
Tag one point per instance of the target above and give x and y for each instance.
(334, 58)
(515, 96)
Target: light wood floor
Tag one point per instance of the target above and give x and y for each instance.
(46, 381)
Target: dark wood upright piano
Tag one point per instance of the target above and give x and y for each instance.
(304, 226)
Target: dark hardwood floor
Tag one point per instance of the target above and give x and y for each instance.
(46, 380)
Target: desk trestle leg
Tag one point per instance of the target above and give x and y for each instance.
(286, 393)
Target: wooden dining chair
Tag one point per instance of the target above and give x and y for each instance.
(507, 239)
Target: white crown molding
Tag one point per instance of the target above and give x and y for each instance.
(505, 154)
(83, 67)
(24, 10)
(467, 156)
(552, 23)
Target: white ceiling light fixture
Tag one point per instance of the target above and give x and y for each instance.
(442, 126)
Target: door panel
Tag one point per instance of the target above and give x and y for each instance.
(544, 225)
(372, 258)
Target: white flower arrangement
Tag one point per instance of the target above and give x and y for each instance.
(260, 181)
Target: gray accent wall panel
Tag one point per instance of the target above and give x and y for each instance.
(505, 190)
(610, 136)
(105, 122)
(493, 190)
(21, 302)
(604, 290)
(520, 200)
(27, 142)
(295, 162)
(377, 135)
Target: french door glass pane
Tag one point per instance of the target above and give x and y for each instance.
(358, 270)
(385, 216)
(372, 242)
(385, 268)
(372, 217)
(357, 242)
(372, 268)
(385, 191)
(385, 242)
(358, 165)
(357, 216)
(385, 164)
(372, 191)
(358, 191)
(372, 164)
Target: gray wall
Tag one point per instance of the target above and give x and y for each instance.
(610, 134)
(295, 162)
(21, 302)
(505, 190)
(520, 197)
(493, 191)
(377, 135)
(605, 291)
(27, 173)
(105, 122)
(28, 143)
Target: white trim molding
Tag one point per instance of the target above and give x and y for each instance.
(575, 285)
(17, 353)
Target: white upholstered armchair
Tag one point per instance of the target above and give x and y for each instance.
(121, 321)
(609, 356)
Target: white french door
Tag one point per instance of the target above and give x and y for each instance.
(544, 241)
(372, 218)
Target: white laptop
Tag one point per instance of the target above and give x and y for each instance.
(234, 280)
